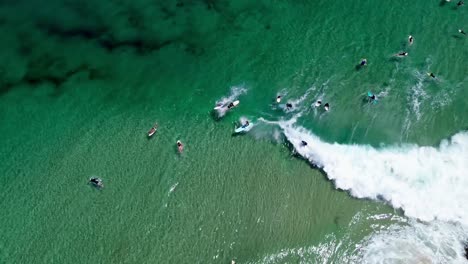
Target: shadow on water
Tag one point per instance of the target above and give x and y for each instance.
(442, 2)
(466, 249)
(214, 114)
(394, 59)
(359, 67)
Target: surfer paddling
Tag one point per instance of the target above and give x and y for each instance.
(402, 54)
(180, 146)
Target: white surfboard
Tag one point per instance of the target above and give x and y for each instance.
(242, 129)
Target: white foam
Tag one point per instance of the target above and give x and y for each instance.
(172, 189)
(426, 182)
(437, 242)
(417, 95)
(297, 103)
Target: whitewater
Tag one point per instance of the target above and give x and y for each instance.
(428, 183)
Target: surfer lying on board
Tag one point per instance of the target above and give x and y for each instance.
(246, 124)
(402, 54)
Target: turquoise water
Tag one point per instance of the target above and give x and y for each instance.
(83, 82)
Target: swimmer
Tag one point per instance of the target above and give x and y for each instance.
(180, 146)
(363, 62)
(410, 40)
(402, 54)
(372, 97)
(461, 31)
(327, 107)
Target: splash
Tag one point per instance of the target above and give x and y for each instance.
(297, 103)
(222, 103)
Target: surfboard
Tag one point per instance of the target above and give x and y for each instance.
(278, 99)
(243, 129)
(218, 107)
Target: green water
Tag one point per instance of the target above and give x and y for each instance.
(225, 197)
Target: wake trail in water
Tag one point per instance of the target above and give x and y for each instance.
(223, 103)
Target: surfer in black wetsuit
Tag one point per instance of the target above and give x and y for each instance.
(303, 143)
(289, 105)
(96, 182)
(461, 31)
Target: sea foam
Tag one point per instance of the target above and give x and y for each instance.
(426, 182)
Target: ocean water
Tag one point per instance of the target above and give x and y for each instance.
(82, 83)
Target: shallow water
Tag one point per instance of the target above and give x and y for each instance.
(83, 82)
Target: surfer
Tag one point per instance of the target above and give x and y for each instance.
(402, 54)
(246, 124)
(461, 31)
(410, 40)
(327, 107)
(363, 62)
(278, 98)
(460, 3)
(303, 143)
(180, 146)
(96, 182)
(230, 105)
(318, 103)
(372, 97)
(289, 106)
(432, 75)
